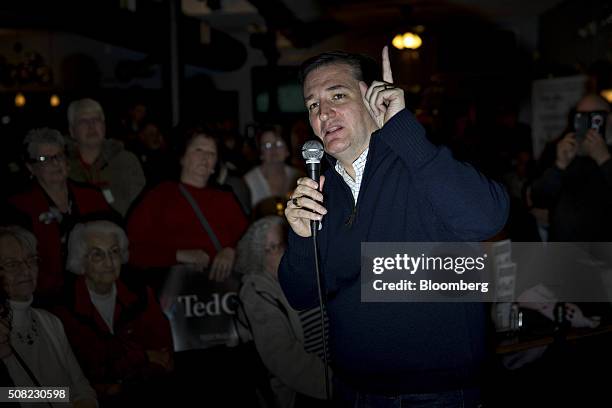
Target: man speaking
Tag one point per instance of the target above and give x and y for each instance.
(386, 183)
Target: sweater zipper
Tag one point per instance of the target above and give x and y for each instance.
(351, 219)
(349, 222)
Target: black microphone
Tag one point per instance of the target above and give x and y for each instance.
(312, 152)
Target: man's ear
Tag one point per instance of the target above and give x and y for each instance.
(363, 87)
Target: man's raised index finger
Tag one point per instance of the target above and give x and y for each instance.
(387, 74)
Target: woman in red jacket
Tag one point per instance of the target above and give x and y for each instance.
(115, 325)
(164, 229)
(53, 205)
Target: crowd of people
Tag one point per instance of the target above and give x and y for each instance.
(90, 241)
(91, 238)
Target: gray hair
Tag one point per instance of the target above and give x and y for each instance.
(83, 105)
(251, 248)
(35, 137)
(77, 243)
(22, 235)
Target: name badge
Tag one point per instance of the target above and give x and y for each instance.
(108, 195)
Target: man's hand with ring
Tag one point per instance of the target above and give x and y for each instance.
(305, 206)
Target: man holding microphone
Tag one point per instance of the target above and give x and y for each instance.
(386, 183)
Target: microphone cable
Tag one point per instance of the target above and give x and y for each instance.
(313, 230)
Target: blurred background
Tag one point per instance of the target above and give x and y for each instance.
(234, 60)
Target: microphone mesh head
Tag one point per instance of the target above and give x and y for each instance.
(312, 151)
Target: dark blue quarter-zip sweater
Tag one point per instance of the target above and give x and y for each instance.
(411, 191)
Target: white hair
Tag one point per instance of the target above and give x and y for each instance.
(22, 235)
(77, 243)
(250, 251)
(83, 105)
(35, 137)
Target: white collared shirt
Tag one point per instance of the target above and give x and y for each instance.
(359, 167)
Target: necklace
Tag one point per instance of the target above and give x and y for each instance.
(30, 335)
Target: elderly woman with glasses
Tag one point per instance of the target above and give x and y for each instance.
(273, 177)
(33, 346)
(53, 205)
(115, 324)
(285, 339)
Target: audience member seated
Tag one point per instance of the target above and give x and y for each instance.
(231, 167)
(53, 205)
(278, 332)
(300, 133)
(100, 161)
(115, 326)
(33, 346)
(164, 228)
(231, 152)
(272, 178)
(133, 118)
(151, 149)
(578, 188)
(227, 178)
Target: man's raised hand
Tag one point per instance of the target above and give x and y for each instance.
(382, 99)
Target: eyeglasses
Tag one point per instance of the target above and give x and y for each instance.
(59, 158)
(97, 255)
(277, 247)
(15, 266)
(271, 145)
(207, 155)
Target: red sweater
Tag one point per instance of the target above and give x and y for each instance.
(164, 222)
(34, 203)
(139, 325)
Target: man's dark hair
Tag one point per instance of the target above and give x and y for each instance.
(363, 67)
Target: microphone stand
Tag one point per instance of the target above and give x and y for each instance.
(314, 227)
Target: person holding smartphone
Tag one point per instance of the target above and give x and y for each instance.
(577, 189)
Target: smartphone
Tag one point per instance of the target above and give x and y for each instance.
(583, 121)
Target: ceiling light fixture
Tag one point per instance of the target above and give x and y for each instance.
(407, 40)
(20, 100)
